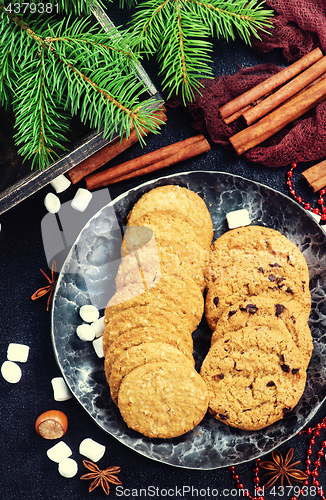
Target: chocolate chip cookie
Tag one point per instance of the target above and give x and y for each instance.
(254, 376)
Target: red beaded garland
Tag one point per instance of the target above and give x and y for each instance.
(307, 206)
(313, 474)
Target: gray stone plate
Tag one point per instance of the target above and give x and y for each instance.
(87, 276)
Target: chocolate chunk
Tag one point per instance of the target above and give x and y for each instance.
(216, 299)
(295, 370)
(279, 308)
(223, 417)
(270, 384)
(260, 269)
(251, 308)
(231, 313)
(285, 368)
(272, 278)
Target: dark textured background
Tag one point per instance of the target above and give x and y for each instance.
(25, 470)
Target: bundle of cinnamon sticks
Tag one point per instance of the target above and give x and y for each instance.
(147, 163)
(279, 100)
(150, 162)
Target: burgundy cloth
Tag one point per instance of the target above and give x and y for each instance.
(298, 28)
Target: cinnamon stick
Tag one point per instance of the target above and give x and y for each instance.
(279, 118)
(270, 84)
(151, 162)
(316, 176)
(108, 152)
(285, 92)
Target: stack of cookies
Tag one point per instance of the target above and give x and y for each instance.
(257, 306)
(158, 303)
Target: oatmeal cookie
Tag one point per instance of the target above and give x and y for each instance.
(183, 297)
(141, 317)
(172, 197)
(149, 352)
(139, 336)
(165, 257)
(169, 225)
(163, 399)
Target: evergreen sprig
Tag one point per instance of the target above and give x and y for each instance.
(53, 69)
(176, 31)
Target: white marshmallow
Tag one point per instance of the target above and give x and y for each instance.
(68, 467)
(59, 452)
(89, 313)
(81, 199)
(238, 218)
(61, 391)
(85, 332)
(11, 372)
(317, 217)
(98, 347)
(91, 449)
(17, 352)
(52, 203)
(60, 183)
(98, 326)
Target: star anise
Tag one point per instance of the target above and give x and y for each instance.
(49, 288)
(101, 477)
(281, 468)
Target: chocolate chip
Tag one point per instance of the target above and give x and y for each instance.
(251, 308)
(295, 370)
(231, 313)
(260, 269)
(282, 357)
(289, 290)
(221, 376)
(223, 417)
(279, 280)
(227, 340)
(303, 287)
(271, 277)
(285, 368)
(275, 265)
(279, 308)
(270, 384)
(216, 299)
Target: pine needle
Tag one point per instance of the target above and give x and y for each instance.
(54, 69)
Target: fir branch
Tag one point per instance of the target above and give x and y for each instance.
(65, 66)
(36, 113)
(176, 32)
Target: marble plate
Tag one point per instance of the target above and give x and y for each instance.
(87, 276)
